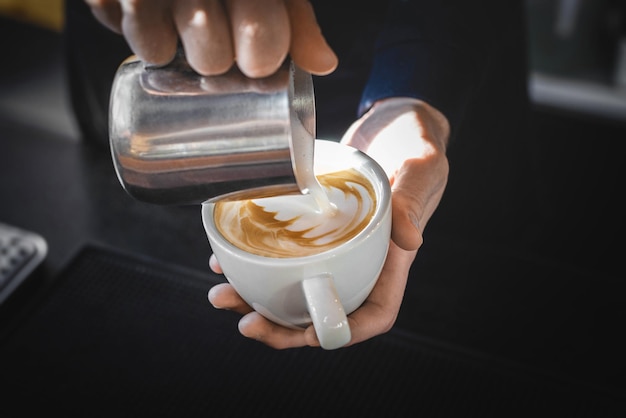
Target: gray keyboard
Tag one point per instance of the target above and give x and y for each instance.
(21, 252)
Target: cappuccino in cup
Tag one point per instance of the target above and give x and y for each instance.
(297, 260)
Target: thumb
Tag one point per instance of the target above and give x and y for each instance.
(406, 230)
(417, 188)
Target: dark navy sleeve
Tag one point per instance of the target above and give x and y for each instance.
(434, 51)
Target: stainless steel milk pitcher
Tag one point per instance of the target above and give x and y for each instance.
(178, 137)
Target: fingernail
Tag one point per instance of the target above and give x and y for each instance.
(211, 295)
(244, 323)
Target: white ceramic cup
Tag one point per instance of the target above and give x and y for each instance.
(321, 288)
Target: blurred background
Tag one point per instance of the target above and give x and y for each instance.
(33, 78)
(578, 55)
(44, 13)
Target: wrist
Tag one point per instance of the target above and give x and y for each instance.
(397, 130)
(434, 126)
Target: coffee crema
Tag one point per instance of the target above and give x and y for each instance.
(293, 225)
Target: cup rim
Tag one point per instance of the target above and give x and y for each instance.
(383, 196)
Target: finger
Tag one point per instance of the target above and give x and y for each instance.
(309, 49)
(417, 188)
(405, 227)
(310, 336)
(214, 265)
(257, 327)
(107, 12)
(204, 31)
(261, 35)
(224, 296)
(149, 30)
(379, 312)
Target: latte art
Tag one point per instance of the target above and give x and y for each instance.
(293, 225)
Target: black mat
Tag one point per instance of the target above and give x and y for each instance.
(120, 335)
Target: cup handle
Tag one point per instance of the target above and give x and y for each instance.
(327, 313)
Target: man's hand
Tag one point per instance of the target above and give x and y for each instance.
(215, 34)
(408, 138)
